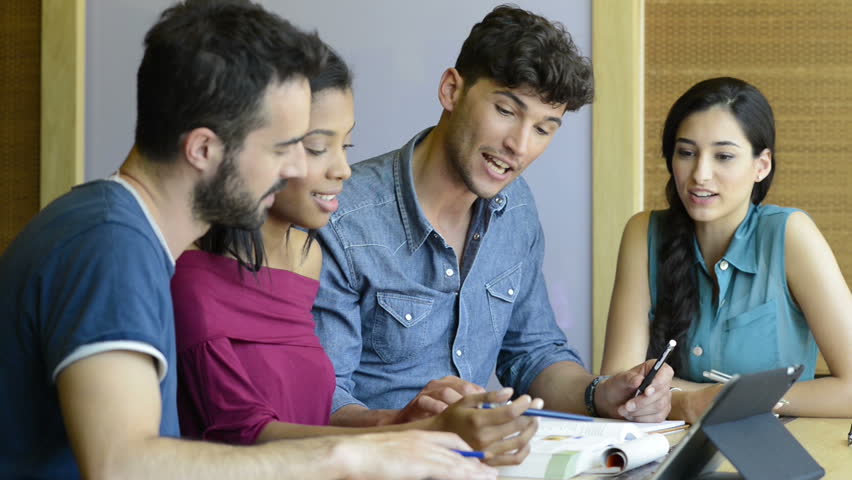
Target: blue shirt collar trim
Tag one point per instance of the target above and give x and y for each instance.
(741, 251)
(414, 223)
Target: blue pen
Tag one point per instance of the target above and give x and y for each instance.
(535, 412)
(472, 454)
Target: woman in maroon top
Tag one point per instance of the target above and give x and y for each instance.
(251, 369)
(248, 355)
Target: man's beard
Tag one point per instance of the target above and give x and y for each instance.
(224, 200)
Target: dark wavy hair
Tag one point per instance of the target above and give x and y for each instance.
(517, 48)
(677, 281)
(246, 246)
(208, 63)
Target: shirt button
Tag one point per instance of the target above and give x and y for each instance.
(408, 316)
(698, 351)
(434, 235)
(458, 353)
(511, 292)
(723, 265)
(476, 236)
(499, 200)
(449, 272)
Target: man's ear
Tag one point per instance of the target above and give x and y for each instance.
(203, 149)
(763, 164)
(450, 89)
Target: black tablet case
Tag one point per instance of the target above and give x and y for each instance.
(741, 426)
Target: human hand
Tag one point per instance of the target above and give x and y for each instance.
(615, 396)
(410, 455)
(434, 398)
(501, 432)
(696, 402)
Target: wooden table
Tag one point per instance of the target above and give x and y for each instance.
(823, 438)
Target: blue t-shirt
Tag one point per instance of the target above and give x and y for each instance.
(754, 324)
(87, 274)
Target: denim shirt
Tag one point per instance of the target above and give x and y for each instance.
(754, 324)
(395, 310)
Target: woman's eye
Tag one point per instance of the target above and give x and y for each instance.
(315, 151)
(684, 153)
(725, 156)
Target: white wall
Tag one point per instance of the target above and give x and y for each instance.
(398, 50)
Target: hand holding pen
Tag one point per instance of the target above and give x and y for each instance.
(656, 368)
(501, 434)
(616, 397)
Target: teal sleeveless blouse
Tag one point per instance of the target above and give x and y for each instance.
(754, 324)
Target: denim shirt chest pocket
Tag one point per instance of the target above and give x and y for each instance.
(400, 328)
(502, 292)
(750, 340)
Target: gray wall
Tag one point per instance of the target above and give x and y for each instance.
(398, 50)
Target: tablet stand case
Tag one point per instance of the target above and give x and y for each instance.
(741, 426)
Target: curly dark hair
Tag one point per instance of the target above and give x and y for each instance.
(208, 63)
(517, 48)
(677, 281)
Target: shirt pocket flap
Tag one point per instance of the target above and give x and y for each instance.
(405, 309)
(759, 312)
(505, 286)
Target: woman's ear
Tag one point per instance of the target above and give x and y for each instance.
(763, 164)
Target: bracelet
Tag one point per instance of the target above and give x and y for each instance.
(590, 395)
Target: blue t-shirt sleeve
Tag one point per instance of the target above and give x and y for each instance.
(110, 283)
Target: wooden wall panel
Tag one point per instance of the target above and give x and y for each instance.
(20, 51)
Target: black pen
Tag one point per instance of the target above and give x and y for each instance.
(656, 368)
(850, 436)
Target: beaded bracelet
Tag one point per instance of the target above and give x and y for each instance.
(590, 395)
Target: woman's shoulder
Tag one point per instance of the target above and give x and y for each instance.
(778, 220)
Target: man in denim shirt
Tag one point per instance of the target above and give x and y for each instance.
(432, 264)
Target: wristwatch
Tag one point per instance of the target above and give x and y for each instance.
(590, 395)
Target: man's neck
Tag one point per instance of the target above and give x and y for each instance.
(440, 190)
(167, 198)
(445, 199)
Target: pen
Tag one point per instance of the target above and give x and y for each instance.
(471, 454)
(535, 412)
(850, 436)
(656, 368)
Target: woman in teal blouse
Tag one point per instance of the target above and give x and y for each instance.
(743, 287)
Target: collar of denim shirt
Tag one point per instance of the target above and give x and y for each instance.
(414, 222)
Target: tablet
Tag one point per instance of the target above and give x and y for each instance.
(740, 426)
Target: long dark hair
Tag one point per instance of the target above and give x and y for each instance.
(246, 246)
(677, 281)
